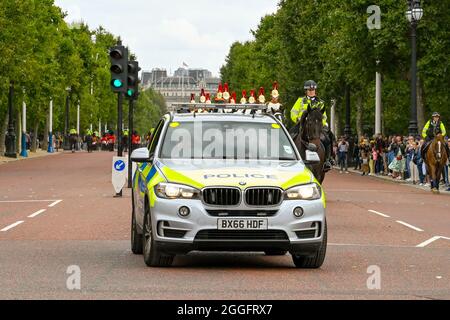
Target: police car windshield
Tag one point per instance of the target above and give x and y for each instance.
(227, 140)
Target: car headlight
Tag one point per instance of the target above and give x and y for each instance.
(305, 192)
(176, 191)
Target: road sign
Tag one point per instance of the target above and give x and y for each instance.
(119, 173)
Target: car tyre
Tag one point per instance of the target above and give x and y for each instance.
(137, 242)
(316, 260)
(152, 256)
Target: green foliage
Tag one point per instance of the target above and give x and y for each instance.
(329, 41)
(44, 56)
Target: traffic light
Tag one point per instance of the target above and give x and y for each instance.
(118, 56)
(133, 80)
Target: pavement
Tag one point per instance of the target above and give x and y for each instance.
(443, 188)
(59, 219)
(31, 155)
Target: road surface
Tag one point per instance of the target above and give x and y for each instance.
(59, 212)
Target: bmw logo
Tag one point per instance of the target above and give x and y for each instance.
(243, 183)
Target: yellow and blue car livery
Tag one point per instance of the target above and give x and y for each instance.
(217, 190)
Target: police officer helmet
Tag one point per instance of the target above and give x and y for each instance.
(436, 114)
(310, 84)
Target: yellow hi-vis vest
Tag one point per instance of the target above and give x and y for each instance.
(302, 105)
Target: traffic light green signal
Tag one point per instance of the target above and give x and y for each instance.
(118, 56)
(117, 83)
(133, 80)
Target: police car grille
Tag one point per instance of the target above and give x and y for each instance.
(222, 196)
(241, 235)
(263, 197)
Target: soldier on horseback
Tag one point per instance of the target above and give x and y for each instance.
(433, 127)
(299, 110)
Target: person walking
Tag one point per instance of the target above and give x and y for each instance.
(343, 148)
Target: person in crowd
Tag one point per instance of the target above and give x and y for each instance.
(135, 141)
(357, 155)
(343, 148)
(399, 162)
(419, 162)
(410, 148)
(365, 157)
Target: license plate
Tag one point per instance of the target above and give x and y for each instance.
(243, 224)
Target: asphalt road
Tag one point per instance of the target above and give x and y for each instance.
(59, 212)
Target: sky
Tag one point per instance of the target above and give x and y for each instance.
(168, 33)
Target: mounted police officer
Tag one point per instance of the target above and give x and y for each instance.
(433, 127)
(301, 106)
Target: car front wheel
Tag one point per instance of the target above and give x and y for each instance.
(317, 259)
(152, 256)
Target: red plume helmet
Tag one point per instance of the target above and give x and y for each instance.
(252, 98)
(202, 96)
(261, 97)
(244, 97)
(192, 97)
(226, 92)
(234, 96)
(275, 93)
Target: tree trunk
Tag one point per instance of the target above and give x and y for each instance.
(359, 116)
(420, 105)
(34, 145)
(4, 127)
(45, 141)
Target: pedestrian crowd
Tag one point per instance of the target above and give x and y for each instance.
(394, 156)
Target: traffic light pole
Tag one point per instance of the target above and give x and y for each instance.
(130, 146)
(119, 129)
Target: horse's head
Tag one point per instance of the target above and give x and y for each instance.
(313, 124)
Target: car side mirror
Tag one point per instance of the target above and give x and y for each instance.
(141, 155)
(312, 157)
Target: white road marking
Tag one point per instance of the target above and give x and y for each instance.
(12, 226)
(55, 203)
(36, 213)
(379, 213)
(369, 245)
(410, 226)
(428, 242)
(25, 201)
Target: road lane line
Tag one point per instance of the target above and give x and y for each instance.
(12, 226)
(428, 242)
(36, 213)
(24, 201)
(380, 214)
(54, 203)
(410, 226)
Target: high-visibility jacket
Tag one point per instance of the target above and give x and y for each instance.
(431, 125)
(73, 131)
(135, 139)
(302, 105)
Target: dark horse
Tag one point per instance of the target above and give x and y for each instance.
(309, 138)
(435, 159)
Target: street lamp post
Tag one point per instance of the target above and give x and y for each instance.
(66, 122)
(414, 14)
(11, 136)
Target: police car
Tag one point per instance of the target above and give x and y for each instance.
(213, 181)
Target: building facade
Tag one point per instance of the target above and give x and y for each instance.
(179, 87)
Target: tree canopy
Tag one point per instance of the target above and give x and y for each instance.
(329, 41)
(44, 56)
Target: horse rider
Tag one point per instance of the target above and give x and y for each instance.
(312, 101)
(433, 127)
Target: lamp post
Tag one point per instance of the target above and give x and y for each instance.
(24, 152)
(66, 122)
(414, 14)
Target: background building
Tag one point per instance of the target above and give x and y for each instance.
(177, 88)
